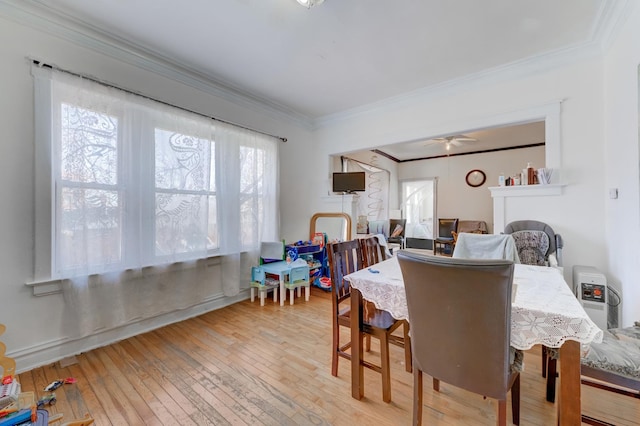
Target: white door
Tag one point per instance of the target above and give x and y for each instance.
(419, 206)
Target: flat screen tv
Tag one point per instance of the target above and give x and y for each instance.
(348, 182)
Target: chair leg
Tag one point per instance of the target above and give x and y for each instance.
(544, 361)
(275, 294)
(291, 291)
(306, 293)
(367, 342)
(407, 348)
(502, 413)
(336, 348)
(436, 385)
(515, 400)
(417, 397)
(385, 367)
(299, 291)
(253, 294)
(552, 371)
(262, 294)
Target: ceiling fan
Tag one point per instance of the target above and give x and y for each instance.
(455, 140)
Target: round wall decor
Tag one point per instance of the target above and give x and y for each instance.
(475, 178)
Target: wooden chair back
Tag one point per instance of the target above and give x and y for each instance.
(344, 258)
(372, 251)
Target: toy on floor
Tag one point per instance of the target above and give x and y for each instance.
(47, 400)
(86, 421)
(9, 391)
(56, 384)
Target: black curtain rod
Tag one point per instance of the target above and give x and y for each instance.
(95, 80)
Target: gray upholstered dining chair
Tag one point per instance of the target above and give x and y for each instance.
(486, 246)
(460, 315)
(613, 365)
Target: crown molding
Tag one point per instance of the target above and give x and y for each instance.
(35, 14)
(43, 18)
(606, 28)
(612, 16)
(515, 70)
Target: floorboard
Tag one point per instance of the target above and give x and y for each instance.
(252, 365)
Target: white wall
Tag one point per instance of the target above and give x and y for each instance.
(455, 197)
(621, 159)
(599, 129)
(578, 214)
(36, 329)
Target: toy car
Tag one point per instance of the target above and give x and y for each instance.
(47, 400)
(53, 385)
(56, 384)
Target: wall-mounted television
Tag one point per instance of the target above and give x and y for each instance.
(348, 182)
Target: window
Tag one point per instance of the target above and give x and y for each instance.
(133, 182)
(419, 205)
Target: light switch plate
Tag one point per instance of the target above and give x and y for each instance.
(613, 193)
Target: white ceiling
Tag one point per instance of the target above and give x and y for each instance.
(484, 140)
(343, 54)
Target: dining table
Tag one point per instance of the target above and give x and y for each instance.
(544, 311)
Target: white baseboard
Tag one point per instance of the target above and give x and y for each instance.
(53, 351)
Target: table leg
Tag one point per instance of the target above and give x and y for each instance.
(357, 370)
(568, 406)
(283, 291)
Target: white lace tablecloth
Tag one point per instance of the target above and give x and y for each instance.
(544, 311)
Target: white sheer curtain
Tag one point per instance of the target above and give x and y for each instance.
(374, 201)
(249, 196)
(137, 185)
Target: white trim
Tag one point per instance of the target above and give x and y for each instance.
(604, 31)
(610, 21)
(518, 69)
(45, 19)
(48, 352)
(501, 193)
(45, 287)
(526, 190)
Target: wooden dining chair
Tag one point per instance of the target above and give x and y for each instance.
(373, 252)
(446, 227)
(345, 258)
(460, 311)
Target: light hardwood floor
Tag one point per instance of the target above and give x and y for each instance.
(271, 365)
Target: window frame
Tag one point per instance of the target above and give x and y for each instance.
(49, 186)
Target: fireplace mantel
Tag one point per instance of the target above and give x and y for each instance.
(501, 194)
